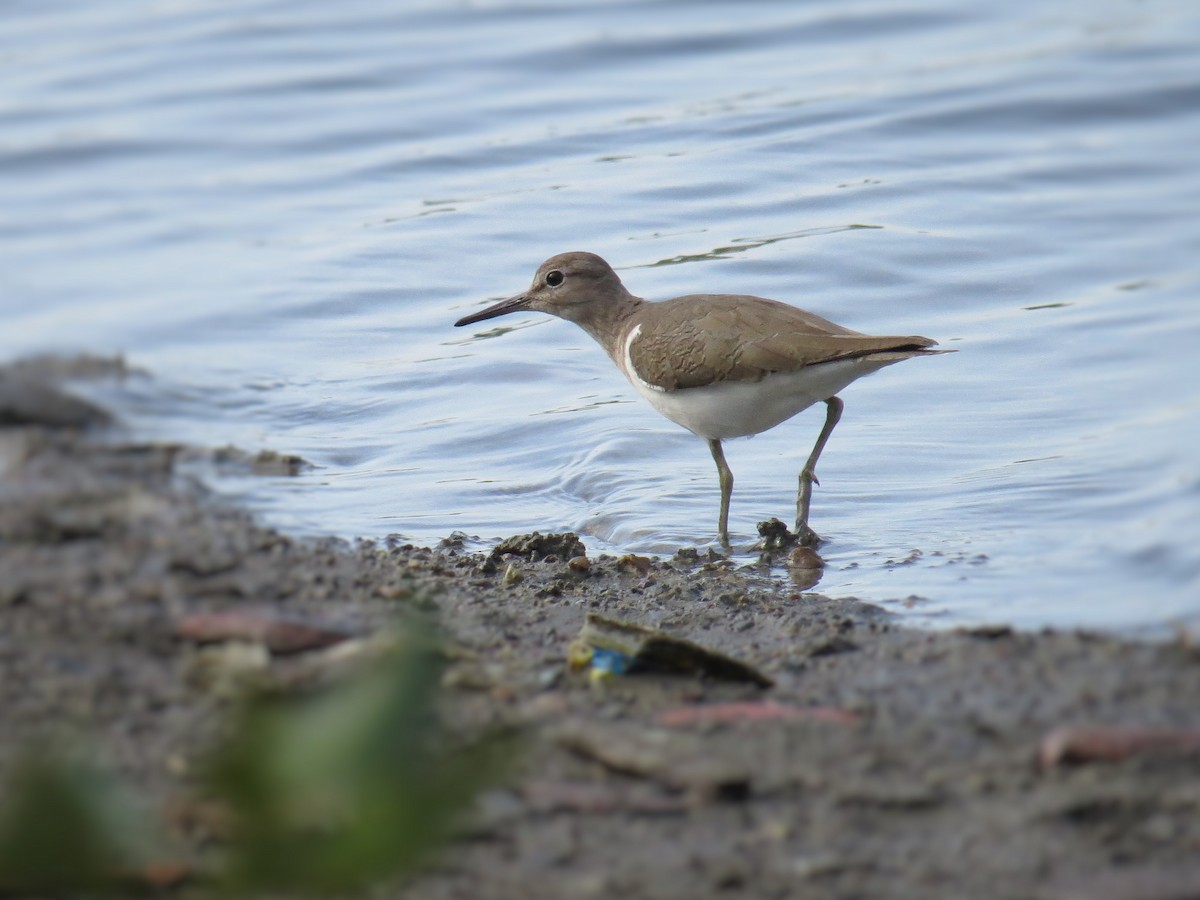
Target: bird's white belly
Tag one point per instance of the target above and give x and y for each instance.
(739, 408)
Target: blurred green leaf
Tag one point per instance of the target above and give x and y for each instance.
(336, 790)
(327, 792)
(66, 827)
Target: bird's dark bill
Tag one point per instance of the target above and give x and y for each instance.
(504, 307)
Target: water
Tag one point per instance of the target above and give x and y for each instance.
(279, 208)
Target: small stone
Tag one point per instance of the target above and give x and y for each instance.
(805, 558)
(513, 575)
(456, 541)
(633, 563)
(538, 546)
(686, 557)
(579, 564)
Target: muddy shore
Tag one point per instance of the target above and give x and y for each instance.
(884, 761)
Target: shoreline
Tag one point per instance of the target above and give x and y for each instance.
(951, 763)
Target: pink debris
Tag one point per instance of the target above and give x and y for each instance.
(1112, 742)
(277, 634)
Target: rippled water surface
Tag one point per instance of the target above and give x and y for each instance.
(279, 209)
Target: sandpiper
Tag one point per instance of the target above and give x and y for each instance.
(720, 365)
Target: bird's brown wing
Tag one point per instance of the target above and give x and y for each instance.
(729, 337)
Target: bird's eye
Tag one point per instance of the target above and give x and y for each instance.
(554, 278)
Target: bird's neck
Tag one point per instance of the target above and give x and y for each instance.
(608, 322)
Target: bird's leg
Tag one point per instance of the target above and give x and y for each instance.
(726, 479)
(808, 475)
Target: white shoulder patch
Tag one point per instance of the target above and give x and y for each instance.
(627, 364)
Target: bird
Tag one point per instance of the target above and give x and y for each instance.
(720, 365)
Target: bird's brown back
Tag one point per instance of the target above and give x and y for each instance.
(735, 337)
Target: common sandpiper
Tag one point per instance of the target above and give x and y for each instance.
(721, 365)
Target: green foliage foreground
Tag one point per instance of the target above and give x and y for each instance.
(326, 792)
